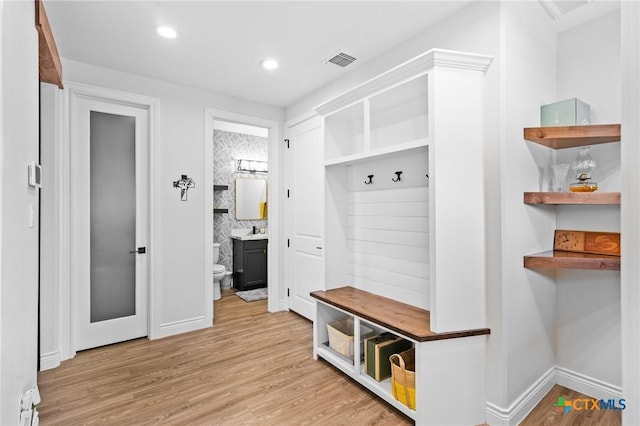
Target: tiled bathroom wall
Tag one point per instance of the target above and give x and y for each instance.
(227, 148)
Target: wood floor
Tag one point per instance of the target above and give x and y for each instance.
(251, 368)
(545, 414)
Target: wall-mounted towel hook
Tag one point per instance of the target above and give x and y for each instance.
(398, 178)
(427, 176)
(370, 181)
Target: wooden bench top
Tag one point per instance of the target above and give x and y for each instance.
(410, 321)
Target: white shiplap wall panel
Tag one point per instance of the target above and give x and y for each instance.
(395, 279)
(390, 195)
(396, 209)
(405, 238)
(400, 252)
(401, 266)
(415, 224)
(396, 292)
(388, 228)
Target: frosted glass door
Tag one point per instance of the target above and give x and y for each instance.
(109, 199)
(113, 216)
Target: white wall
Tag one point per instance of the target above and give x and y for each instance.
(180, 279)
(49, 268)
(588, 302)
(529, 55)
(19, 242)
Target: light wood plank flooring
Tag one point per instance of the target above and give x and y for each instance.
(545, 414)
(252, 367)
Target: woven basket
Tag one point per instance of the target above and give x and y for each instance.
(403, 377)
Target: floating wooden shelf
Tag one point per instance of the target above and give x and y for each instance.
(220, 187)
(567, 260)
(605, 198)
(221, 210)
(407, 320)
(573, 136)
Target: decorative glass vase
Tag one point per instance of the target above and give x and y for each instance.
(583, 166)
(559, 176)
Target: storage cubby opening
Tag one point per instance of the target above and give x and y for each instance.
(344, 132)
(367, 368)
(400, 114)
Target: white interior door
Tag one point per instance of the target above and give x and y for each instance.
(305, 213)
(109, 221)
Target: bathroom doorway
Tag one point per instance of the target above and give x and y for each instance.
(244, 196)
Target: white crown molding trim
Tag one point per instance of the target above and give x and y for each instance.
(50, 360)
(518, 410)
(409, 69)
(294, 121)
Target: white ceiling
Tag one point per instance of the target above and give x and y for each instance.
(221, 43)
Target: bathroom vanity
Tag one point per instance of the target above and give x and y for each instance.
(250, 261)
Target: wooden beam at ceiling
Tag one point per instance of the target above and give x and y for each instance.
(50, 67)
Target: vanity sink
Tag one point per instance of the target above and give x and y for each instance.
(247, 234)
(250, 237)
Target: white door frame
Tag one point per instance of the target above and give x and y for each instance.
(275, 287)
(68, 301)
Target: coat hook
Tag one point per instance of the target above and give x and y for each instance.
(427, 176)
(398, 178)
(370, 181)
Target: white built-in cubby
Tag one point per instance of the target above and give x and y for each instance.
(415, 239)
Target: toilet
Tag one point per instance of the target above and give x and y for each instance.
(219, 272)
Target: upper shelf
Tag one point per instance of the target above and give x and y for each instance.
(603, 198)
(348, 160)
(573, 136)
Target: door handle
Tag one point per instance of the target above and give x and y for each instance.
(141, 250)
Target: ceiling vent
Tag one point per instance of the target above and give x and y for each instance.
(558, 8)
(341, 60)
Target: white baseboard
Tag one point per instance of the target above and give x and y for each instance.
(518, 410)
(587, 385)
(50, 360)
(178, 327)
(280, 305)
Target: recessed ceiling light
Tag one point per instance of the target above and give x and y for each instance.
(166, 32)
(269, 64)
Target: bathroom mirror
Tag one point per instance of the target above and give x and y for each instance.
(251, 199)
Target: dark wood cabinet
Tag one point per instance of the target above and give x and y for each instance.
(249, 264)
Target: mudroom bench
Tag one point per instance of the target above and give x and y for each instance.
(449, 366)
